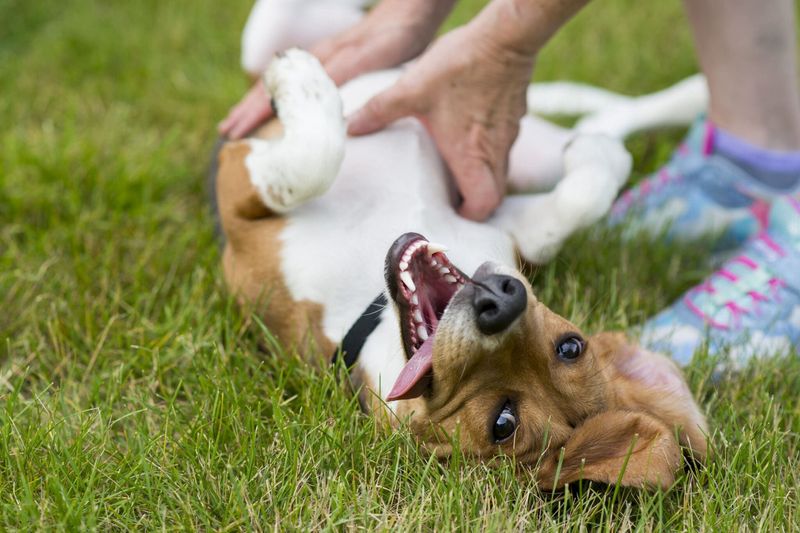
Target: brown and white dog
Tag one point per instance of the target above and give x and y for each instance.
(317, 225)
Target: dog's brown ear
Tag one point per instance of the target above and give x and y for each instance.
(633, 448)
(649, 382)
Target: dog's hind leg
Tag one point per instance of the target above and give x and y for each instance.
(596, 167)
(618, 115)
(570, 99)
(303, 162)
(677, 105)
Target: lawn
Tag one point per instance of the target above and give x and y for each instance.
(133, 394)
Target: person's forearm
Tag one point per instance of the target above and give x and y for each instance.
(433, 11)
(524, 26)
(437, 12)
(441, 8)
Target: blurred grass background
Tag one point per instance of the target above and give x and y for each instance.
(132, 392)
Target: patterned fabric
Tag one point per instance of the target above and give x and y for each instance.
(698, 194)
(749, 308)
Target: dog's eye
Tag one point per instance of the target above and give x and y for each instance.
(505, 425)
(569, 347)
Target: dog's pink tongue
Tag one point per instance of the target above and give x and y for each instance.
(414, 378)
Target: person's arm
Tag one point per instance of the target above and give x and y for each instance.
(525, 26)
(469, 90)
(392, 33)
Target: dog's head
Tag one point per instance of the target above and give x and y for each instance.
(493, 367)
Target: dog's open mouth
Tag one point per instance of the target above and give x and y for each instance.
(421, 281)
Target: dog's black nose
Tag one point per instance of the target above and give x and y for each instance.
(498, 301)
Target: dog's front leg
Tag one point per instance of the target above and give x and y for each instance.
(302, 163)
(596, 167)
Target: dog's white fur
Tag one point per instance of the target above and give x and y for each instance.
(276, 25)
(311, 115)
(351, 197)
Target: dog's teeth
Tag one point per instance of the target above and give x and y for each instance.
(407, 281)
(414, 299)
(422, 332)
(403, 265)
(444, 270)
(450, 279)
(434, 263)
(434, 247)
(418, 315)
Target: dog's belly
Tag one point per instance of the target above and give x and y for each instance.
(390, 183)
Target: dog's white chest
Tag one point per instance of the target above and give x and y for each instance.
(390, 183)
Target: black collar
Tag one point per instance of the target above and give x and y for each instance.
(354, 340)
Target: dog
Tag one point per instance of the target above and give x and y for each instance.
(275, 25)
(332, 241)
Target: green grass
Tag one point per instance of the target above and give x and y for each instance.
(133, 394)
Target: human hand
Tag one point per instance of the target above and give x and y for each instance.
(393, 32)
(470, 95)
(254, 109)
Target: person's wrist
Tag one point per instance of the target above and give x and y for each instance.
(425, 8)
(423, 16)
(416, 12)
(500, 51)
(524, 26)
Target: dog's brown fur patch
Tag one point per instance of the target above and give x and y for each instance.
(251, 259)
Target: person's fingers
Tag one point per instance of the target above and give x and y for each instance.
(351, 59)
(479, 189)
(326, 48)
(250, 118)
(253, 110)
(233, 115)
(233, 118)
(343, 66)
(381, 110)
(341, 55)
(225, 124)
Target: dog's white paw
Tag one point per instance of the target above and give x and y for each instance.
(300, 87)
(305, 160)
(596, 167)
